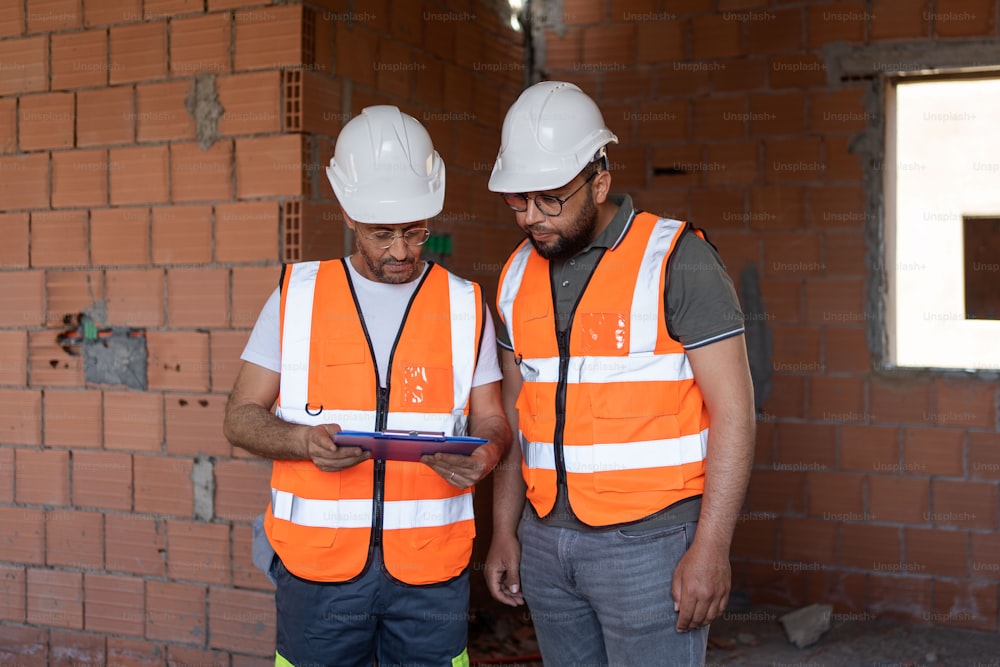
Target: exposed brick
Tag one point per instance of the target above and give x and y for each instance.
(777, 206)
(178, 360)
(837, 399)
(59, 238)
(135, 297)
(792, 254)
(70, 293)
(321, 100)
(719, 117)
(139, 175)
(270, 166)
(787, 398)
(105, 116)
(964, 403)
(137, 52)
(133, 421)
(183, 656)
(176, 612)
(163, 486)
(156, 10)
(200, 44)
(241, 621)
(13, 358)
(937, 552)
(776, 491)
(783, 300)
(984, 455)
(102, 479)
(119, 236)
(844, 253)
(49, 365)
(79, 59)
(161, 114)
(836, 22)
(12, 19)
(869, 448)
(357, 50)
(802, 445)
(780, 113)
(838, 111)
(268, 38)
(394, 68)
(226, 347)
(897, 19)
(964, 604)
(251, 288)
(246, 231)
(194, 422)
(846, 351)
(26, 65)
(8, 125)
(242, 489)
(736, 74)
(182, 234)
(835, 301)
(134, 653)
(899, 597)
(658, 41)
(899, 499)
(22, 297)
(797, 71)
(809, 541)
(115, 604)
(97, 12)
(846, 591)
(798, 159)
(896, 401)
(933, 451)
(69, 648)
(715, 37)
(964, 504)
(719, 208)
(201, 175)
(985, 558)
(24, 181)
(198, 552)
(7, 476)
(55, 598)
(869, 547)
(756, 538)
(72, 418)
(74, 539)
(733, 163)
(53, 15)
(245, 573)
(134, 543)
(13, 593)
(836, 496)
(843, 163)
(197, 298)
(796, 350)
(773, 583)
(965, 18)
(772, 31)
(46, 121)
(23, 533)
(41, 477)
(251, 103)
(80, 178)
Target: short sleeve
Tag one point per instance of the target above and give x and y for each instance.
(701, 303)
(264, 345)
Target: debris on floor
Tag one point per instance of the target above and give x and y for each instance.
(805, 626)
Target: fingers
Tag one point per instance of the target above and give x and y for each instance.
(326, 455)
(504, 585)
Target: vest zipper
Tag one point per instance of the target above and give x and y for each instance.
(381, 418)
(562, 339)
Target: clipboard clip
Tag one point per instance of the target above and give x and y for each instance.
(413, 434)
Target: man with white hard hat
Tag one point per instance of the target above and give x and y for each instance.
(627, 385)
(370, 556)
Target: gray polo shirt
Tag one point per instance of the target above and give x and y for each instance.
(701, 308)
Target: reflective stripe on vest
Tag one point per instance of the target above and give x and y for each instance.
(634, 433)
(321, 523)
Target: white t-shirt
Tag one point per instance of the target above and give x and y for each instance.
(382, 306)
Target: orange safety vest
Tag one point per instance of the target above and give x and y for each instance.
(324, 525)
(614, 411)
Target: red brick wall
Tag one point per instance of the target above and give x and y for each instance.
(878, 494)
(112, 207)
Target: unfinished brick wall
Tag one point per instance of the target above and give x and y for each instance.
(873, 492)
(159, 159)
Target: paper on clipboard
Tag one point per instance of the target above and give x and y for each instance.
(406, 445)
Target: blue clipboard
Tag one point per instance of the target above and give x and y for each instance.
(406, 445)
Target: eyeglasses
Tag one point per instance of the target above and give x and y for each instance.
(549, 205)
(385, 238)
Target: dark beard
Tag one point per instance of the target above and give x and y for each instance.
(575, 238)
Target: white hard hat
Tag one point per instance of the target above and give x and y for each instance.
(384, 169)
(549, 135)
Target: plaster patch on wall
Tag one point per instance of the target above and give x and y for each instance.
(202, 102)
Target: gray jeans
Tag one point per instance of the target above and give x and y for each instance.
(602, 599)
